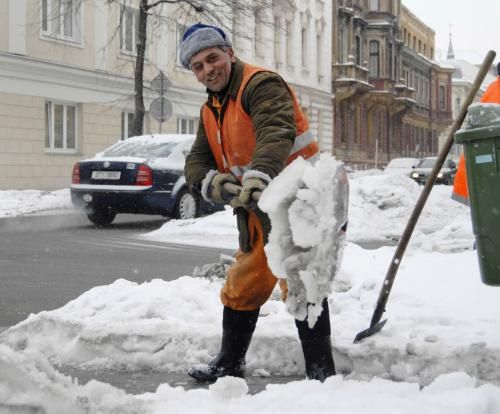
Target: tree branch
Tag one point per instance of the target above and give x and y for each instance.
(199, 9)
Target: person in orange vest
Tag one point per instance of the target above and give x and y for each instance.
(460, 192)
(251, 127)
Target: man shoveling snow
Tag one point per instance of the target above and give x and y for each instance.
(251, 127)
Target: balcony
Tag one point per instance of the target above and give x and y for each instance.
(383, 84)
(350, 80)
(404, 100)
(403, 91)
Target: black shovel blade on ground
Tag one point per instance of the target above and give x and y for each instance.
(372, 330)
(376, 325)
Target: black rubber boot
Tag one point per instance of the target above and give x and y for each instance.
(317, 346)
(237, 331)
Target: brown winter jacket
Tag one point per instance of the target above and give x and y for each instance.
(266, 92)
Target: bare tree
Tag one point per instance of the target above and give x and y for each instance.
(144, 7)
(211, 11)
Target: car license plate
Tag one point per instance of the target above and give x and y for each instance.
(106, 175)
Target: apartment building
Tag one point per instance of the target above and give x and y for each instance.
(391, 98)
(67, 66)
(426, 125)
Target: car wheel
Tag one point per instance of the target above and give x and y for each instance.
(102, 216)
(186, 206)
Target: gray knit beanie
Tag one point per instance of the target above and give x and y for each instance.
(199, 37)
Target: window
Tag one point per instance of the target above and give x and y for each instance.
(358, 50)
(319, 55)
(374, 59)
(357, 124)
(187, 125)
(345, 124)
(419, 89)
(127, 124)
(129, 29)
(391, 61)
(304, 46)
(61, 19)
(60, 126)
(259, 23)
(180, 30)
(289, 43)
(442, 97)
(343, 44)
(458, 105)
(374, 5)
(237, 26)
(277, 40)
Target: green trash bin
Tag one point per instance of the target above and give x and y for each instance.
(481, 140)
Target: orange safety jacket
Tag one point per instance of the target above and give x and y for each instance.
(492, 94)
(460, 192)
(233, 143)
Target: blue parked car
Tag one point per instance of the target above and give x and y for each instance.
(140, 175)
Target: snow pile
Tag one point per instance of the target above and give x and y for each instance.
(380, 206)
(29, 384)
(482, 115)
(307, 205)
(216, 230)
(438, 353)
(127, 325)
(440, 319)
(21, 202)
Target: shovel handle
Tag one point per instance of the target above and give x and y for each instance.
(235, 189)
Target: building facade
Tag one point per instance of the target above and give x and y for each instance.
(391, 99)
(67, 70)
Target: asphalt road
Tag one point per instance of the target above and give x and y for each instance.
(45, 261)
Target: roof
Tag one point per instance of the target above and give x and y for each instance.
(466, 71)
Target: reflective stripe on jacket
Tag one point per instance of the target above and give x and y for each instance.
(233, 143)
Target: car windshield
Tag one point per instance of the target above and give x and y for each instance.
(427, 163)
(141, 149)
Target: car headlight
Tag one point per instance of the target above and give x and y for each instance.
(414, 175)
(440, 175)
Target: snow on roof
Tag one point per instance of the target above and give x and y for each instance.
(466, 71)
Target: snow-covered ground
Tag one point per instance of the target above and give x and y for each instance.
(438, 353)
(22, 202)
